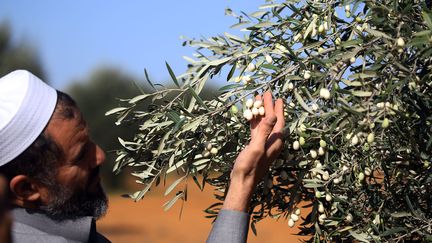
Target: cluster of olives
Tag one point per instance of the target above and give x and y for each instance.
(209, 150)
(253, 109)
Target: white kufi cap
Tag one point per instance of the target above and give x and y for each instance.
(26, 106)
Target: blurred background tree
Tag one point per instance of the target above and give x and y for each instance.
(19, 55)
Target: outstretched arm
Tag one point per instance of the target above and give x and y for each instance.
(250, 166)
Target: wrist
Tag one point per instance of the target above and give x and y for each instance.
(239, 194)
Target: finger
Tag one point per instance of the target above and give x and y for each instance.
(275, 141)
(268, 104)
(274, 146)
(254, 122)
(266, 124)
(279, 112)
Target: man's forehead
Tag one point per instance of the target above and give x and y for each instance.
(81, 126)
(70, 121)
(82, 122)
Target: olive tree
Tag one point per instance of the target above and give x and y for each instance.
(356, 80)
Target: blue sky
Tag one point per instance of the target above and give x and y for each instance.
(75, 37)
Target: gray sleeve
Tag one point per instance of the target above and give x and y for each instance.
(230, 227)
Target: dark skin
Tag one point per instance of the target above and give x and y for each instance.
(5, 219)
(78, 165)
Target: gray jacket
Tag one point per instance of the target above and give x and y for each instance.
(35, 227)
(230, 227)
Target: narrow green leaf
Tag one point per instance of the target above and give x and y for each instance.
(234, 37)
(401, 214)
(148, 79)
(360, 93)
(238, 25)
(258, 14)
(162, 142)
(253, 227)
(115, 110)
(229, 87)
(352, 83)
(352, 43)
(143, 175)
(173, 116)
(408, 201)
(179, 124)
(232, 71)
(197, 183)
(270, 66)
(193, 125)
(378, 34)
(345, 229)
(201, 161)
(428, 19)
(363, 237)
(393, 231)
(174, 78)
(363, 75)
(219, 61)
(173, 185)
(138, 98)
(141, 194)
(313, 185)
(170, 203)
(197, 98)
(264, 24)
(310, 46)
(302, 103)
(189, 59)
(121, 141)
(423, 33)
(311, 25)
(175, 167)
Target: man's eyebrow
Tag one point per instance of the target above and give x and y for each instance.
(82, 122)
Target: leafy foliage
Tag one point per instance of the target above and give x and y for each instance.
(356, 77)
(15, 56)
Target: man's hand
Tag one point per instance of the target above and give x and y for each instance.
(253, 162)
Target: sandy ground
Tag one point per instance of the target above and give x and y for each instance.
(146, 221)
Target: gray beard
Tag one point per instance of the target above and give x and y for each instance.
(70, 205)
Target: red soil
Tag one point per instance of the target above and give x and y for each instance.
(146, 221)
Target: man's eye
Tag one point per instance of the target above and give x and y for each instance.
(82, 154)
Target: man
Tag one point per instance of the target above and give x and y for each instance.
(52, 166)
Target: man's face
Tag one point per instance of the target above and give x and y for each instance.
(76, 190)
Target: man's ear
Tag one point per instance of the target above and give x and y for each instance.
(24, 191)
